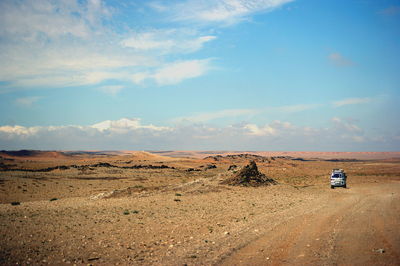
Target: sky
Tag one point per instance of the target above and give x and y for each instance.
(262, 75)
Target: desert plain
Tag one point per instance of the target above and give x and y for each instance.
(173, 208)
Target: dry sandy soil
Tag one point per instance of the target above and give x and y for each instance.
(150, 209)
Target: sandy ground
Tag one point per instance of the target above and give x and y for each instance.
(176, 216)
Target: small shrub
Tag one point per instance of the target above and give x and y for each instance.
(178, 194)
(15, 203)
(177, 200)
(135, 211)
(53, 199)
(126, 212)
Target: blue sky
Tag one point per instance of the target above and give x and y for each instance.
(190, 74)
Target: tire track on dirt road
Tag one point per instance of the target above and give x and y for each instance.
(349, 227)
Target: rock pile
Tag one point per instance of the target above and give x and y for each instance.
(249, 176)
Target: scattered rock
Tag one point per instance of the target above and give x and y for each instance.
(379, 250)
(210, 166)
(103, 165)
(232, 167)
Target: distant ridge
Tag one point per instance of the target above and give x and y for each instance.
(32, 153)
(298, 155)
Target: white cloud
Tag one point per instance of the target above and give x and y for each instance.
(225, 11)
(27, 101)
(273, 129)
(255, 130)
(63, 64)
(339, 60)
(124, 125)
(175, 72)
(77, 48)
(18, 131)
(351, 101)
(53, 44)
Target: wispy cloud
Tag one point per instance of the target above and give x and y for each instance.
(350, 101)
(339, 60)
(30, 19)
(346, 125)
(209, 116)
(27, 101)
(80, 48)
(244, 113)
(223, 11)
(35, 53)
(167, 41)
(296, 108)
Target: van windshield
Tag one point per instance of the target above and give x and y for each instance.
(336, 175)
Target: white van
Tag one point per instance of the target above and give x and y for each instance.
(338, 178)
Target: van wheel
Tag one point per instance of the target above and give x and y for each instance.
(344, 186)
(332, 187)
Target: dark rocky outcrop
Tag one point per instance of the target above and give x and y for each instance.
(4, 167)
(210, 166)
(249, 176)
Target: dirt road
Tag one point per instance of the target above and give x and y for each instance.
(356, 226)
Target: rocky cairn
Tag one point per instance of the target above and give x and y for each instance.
(249, 176)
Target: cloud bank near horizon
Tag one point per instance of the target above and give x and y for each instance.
(131, 134)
